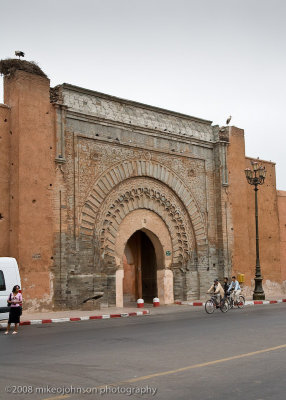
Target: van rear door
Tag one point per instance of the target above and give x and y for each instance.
(9, 277)
(3, 296)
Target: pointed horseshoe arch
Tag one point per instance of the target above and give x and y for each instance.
(146, 194)
(157, 231)
(128, 169)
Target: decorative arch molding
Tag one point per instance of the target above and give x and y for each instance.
(148, 194)
(112, 178)
(142, 193)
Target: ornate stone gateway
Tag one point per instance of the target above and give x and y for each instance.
(124, 198)
(112, 214)
(140, 201)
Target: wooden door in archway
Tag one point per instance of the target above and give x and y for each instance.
(140, 268)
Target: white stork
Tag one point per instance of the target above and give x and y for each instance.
(19, 54)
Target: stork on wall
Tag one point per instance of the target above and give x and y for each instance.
(19, 54)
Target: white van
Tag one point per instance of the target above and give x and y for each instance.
(9, 277)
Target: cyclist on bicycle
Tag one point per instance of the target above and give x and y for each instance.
(234, 287)
(225, 285)
(217, 289)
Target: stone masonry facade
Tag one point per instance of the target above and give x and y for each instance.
(103, 168)
(120, 156)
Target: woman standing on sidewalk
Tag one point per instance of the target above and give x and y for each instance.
(15, 300)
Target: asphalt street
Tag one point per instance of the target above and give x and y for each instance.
(182, 355)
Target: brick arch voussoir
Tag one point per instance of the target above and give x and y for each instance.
(108, 237)
(131, 169)
(116, 209)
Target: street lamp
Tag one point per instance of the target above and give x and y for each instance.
(255, 177)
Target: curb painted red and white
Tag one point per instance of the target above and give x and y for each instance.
(84, 318)
(260, 302)
(247, 302)
(190, 303)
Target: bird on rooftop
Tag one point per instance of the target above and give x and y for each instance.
(228, 120)
(19, 54)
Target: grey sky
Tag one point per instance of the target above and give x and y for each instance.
(207, 58)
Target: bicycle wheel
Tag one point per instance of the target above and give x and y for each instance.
(241, 301)
(209, 306)
(223, 306)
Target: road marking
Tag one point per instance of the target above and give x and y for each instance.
(206, 364)
(175, 371)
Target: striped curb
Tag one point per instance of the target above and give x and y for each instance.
(259, 302)
(190, 303)
(247, 302)
(84, 318)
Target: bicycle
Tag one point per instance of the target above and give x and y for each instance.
(239, 304)
(212, 304)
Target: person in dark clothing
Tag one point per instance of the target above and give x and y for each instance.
(225, 286)
(15, 304)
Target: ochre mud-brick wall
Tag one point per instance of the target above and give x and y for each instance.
(281, 195)
(31, 180)
(242, 203)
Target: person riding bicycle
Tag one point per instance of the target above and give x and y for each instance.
(225, 285)
(217, 289)
(234, 289)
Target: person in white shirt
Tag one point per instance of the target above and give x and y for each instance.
(235, 288)
(217, 289)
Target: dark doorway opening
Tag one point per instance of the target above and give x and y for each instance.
(140, 268)
(148, 269)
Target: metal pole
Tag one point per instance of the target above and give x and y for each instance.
(258, 293)
(61, 293)
(256, 177)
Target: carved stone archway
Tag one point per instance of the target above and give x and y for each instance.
(126, 188)
(157, 231)
(128, 169)
(143, 193)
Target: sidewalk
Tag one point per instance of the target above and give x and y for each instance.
(47, 317)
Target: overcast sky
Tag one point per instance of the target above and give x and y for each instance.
(206, 58)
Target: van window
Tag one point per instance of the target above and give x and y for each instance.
(2, 281)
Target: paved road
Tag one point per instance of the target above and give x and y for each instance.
(184, 355)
